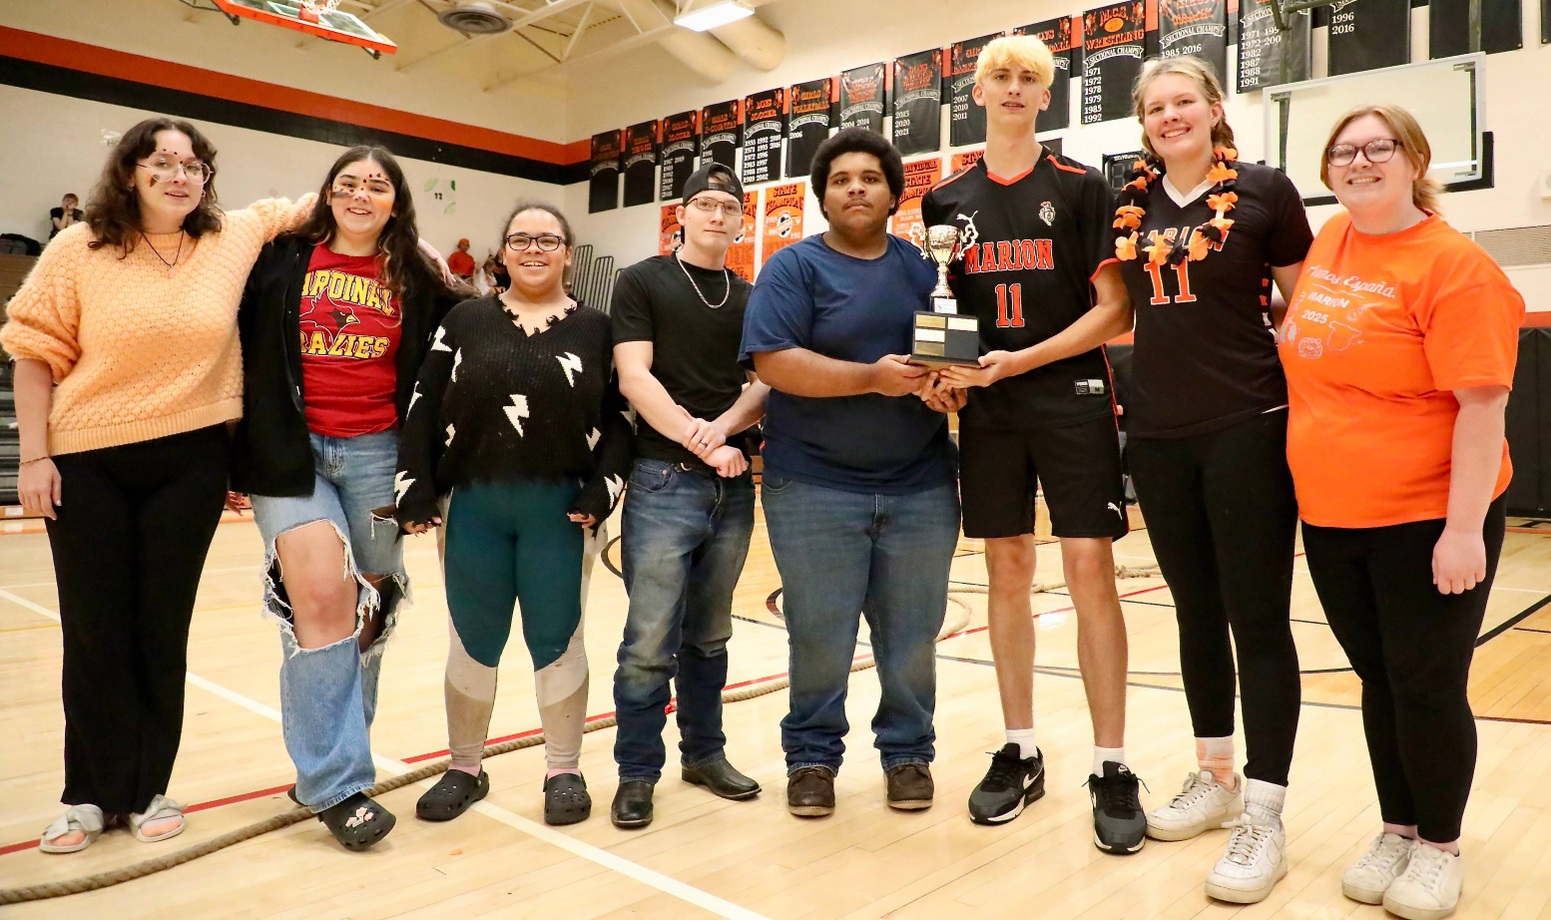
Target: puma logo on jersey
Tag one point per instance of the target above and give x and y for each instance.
(1115, 508)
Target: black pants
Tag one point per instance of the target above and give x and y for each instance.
(1222, 519)
(1411, 646)
(129, 545)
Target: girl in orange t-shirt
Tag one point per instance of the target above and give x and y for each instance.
(1399, 348)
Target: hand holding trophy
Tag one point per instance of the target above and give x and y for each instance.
(941, 336)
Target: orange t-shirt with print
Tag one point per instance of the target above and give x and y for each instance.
(1381, 329)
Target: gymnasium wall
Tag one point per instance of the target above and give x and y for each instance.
(825, 37)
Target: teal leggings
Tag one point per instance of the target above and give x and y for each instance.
(511, 542)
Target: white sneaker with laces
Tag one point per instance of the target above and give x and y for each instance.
(1203, 804)
(1367, 879)
(1255, 860)
(1429, 888)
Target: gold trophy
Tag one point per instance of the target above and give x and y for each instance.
(941, 336)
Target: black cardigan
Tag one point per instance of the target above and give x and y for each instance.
(271, 450)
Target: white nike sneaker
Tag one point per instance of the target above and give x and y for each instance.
(1254, 861)
(1367, 879)
(1429, 888)
(1203, 804)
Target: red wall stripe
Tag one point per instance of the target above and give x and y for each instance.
(59, 52)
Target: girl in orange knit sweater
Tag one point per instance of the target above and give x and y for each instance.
(127, 370)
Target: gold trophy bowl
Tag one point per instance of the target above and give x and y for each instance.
(941, 336)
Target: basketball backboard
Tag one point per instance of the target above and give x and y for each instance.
(333, 25)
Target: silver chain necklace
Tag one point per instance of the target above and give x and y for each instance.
(690, 278)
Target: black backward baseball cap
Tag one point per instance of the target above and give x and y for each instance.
(713, 177)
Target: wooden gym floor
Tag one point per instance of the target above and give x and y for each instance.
(707, 857)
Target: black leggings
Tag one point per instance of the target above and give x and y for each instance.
(1411, 646)
(129, 545)
(1222, 519)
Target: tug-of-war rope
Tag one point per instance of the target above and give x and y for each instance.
(436, 768)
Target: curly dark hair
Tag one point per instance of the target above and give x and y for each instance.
(404, 267)
(113, 210)
(858, 140)
(528, 204)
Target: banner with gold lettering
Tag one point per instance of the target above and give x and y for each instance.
(966, 117)
(1269, 56)
(641, 163)
(603, 177)
(810, 113)
(1061, 37)
(782, 225)
(1198, 27)
(863, 94)
(920, 176)
(680, 146)
(764, 124)
(721, 131)
(918, 102)
(1114, 44)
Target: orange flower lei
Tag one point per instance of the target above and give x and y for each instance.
(1133, 208)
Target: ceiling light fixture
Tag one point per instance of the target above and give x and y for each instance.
(712, 15)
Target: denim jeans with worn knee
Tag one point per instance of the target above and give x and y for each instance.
(845, 555)
(328, 695)
(686, 535)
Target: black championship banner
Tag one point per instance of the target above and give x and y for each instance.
(966, 118)
(764, 123)
(680, 146)
(918, 102)
(863, 94)
(1369, 34)
(1059, 35)
(1198, 27)
(721, 129)
(603, 180)
(810, 111)
(1448, 29)
(1114, 43)
(1267, 55)
(641, 163)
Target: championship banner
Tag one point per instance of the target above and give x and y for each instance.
(1369, 34)
(680, 146)
(1502, 27)
(641, 163)
(1267, 55)
(782, 224)
(920, 176)
(966, 118)
(721, 130)
(1114, 44)
(740, 256)
(1198, 27)
(810, 112)
(1062, 38)
(764, 124)
(863, 92)
(964, 160)
(670, 235)
(918, 102)
(603, 179)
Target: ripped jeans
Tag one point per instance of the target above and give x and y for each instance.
(328, 695)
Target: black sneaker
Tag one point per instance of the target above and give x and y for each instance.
(1119, 824)
(1012, 783)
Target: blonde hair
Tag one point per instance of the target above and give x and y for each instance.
(1193, 69)
(1413, 144)
(1021, 52)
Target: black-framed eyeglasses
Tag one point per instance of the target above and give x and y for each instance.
(730, 210)
(164, 169)
(347, 188)
(546, 242)
(1378, 150)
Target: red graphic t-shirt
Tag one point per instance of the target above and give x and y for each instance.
(350, 327)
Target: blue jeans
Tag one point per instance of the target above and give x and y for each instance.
(686, 535)
(845, 554)
(328, 695)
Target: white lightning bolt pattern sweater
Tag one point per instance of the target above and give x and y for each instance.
(495, 404)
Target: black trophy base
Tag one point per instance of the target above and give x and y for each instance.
(942, 339)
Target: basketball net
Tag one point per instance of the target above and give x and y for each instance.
(313, 10)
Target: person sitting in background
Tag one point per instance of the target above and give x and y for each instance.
(461, 263)
(66, 214)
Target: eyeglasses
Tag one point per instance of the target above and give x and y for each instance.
(347, 188)
(706, 206)
(546, 242)
(1378, 150)
(164, 169)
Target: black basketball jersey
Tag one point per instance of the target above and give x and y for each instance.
(1031, 246)
(1205, 353)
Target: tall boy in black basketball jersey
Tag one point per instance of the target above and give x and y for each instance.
(1038, 270)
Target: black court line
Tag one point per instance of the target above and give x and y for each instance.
(1531, 629)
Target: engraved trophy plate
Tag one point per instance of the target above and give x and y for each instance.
(941, 336)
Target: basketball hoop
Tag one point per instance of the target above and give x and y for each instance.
(314, 10)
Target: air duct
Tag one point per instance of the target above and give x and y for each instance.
(711, 58)
(754, 42)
